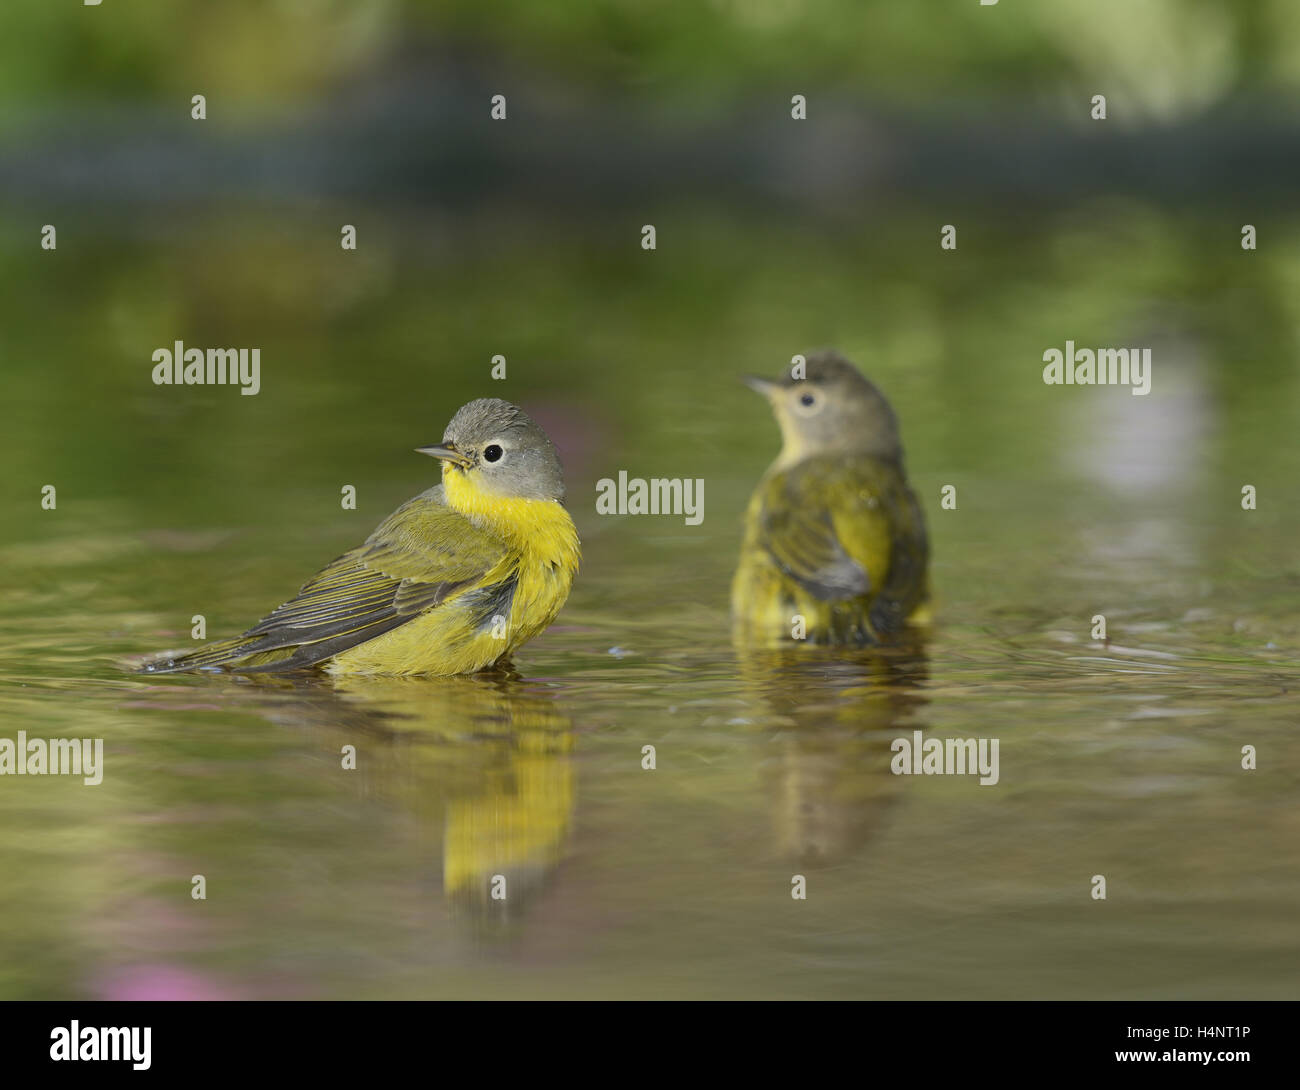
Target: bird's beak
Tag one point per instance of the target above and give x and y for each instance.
(763, 386)
(447, 452)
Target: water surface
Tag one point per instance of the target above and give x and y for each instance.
(1120, 758)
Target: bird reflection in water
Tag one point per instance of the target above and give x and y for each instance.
(831, 714)
(483, 759)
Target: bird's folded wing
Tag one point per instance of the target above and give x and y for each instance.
(415, 560)
(829, 530)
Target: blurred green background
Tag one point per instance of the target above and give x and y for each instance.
(775, 236)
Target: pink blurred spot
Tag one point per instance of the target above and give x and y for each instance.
(139, 982)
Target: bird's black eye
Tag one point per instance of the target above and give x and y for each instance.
(492, 453)
(807, 399)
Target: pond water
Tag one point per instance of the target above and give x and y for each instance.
(1120, 758)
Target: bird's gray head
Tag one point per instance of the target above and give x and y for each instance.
(832, 408)
(500, 448)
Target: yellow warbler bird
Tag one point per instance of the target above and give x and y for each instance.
(835, 548)
(451, 582)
